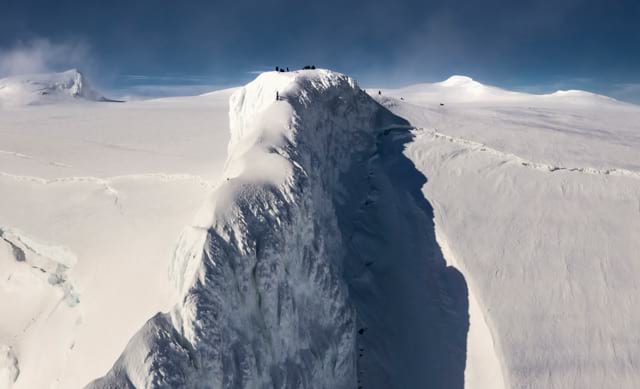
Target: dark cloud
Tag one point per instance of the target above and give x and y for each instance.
(384, 42)
(42, 55)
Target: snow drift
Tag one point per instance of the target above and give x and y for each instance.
(281, 284)
(47, 88)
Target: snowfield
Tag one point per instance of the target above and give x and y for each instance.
(446, 235)
(537, 200)
(93, 197)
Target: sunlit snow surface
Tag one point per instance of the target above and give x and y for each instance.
(538, 201)
(109, 187)
(323, 215)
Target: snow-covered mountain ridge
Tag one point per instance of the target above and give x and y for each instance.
(46, 88)
(264, 303)
(316, 263)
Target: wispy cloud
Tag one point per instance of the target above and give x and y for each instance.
(143, 86)
(152, 91)
(164, 78)
(42, 55)
(627, 91)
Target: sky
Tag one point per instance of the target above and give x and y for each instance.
(159, 47)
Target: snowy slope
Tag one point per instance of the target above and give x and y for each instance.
(537, 202)
(46, 88)
(96, 195)
(572, 129)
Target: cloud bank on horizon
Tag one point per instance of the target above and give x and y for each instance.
(41, 55)
(567, 44)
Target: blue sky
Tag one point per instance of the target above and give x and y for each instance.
(156, 47)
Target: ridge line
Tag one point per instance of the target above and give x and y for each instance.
(544, 167)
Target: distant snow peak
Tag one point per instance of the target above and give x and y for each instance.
(577, 96)
(47, 88)
(457, 80)
(459, 89)
(76, 83)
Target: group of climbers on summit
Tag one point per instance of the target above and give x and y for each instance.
(282, 70)
(306, 67)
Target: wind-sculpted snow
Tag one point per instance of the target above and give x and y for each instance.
(281, 282)
(471, 146)
(551, 258)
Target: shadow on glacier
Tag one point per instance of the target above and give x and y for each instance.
(412, 308)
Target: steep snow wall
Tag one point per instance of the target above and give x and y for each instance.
(262, 303)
